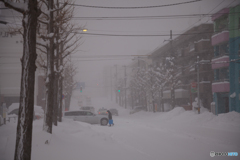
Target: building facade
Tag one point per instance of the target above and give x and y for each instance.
(196, 42)
(11, 51)
(226, 41)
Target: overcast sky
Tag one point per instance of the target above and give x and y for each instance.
(91, 71)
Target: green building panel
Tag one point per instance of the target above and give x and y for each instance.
(221, 24)
(234, 22)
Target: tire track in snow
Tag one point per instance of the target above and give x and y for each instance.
(131, 147)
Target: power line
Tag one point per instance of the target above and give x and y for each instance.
(143, 35)
(140, 7)
(207, 13)
(146, 17)
(140, 17)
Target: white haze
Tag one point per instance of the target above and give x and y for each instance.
(91, 71)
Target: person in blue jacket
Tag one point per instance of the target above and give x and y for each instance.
(110, 120)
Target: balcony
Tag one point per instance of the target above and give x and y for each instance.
(179, 93)
(220, 13)
(221, 86)
(220, 37)
(220, 62)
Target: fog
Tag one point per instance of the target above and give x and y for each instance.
(90, 70)
(113, 41)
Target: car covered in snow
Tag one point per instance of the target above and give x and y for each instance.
(88, 108)
(86, 116)
(102, 111)
(14, 108)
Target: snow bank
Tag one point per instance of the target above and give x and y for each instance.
(143, 135)
(37, 109)
(13, 106)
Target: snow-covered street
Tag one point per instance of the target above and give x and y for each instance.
(177, 134)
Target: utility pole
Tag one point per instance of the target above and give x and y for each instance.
(116, 86)
(111, 81)
(138, 102)
(198, 84)
(125, 90)
(172, 87)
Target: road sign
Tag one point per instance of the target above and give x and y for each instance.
(193, 87)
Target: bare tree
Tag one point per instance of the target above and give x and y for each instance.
(63, 42)
(171, 77)
(30, 11)
(68, 83)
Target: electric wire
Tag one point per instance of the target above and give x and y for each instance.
(202, 18)
(144, 35)
(140, 7)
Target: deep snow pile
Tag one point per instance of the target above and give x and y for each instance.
(177, 134)
(37, 109)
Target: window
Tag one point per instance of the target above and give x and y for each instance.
(69, 113)
(224, 74)
(89, 114)
(191, 47)
(86, 108)
(239, 23)
(239, 50)
(82, 113)
(205, 78)
(223, 49)
(222, 23)
(74, 113)
(216, 51)
(216, 74)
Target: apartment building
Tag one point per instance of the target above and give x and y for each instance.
(225, 64)
(11, 46)
(195, 42)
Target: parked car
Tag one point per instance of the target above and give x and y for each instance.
(114, 111)
(38, 112)
(136, 109)
(88, 108)
(87, 116)
(15, 113)
(102, 111)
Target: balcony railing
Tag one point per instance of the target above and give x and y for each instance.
(220, 62)
(221, 86)
(220, 37)
(222, 80)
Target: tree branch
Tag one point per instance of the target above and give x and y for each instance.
(19, 7)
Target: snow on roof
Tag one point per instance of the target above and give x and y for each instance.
(205, 82)
(176, 90)
(219, 33)
(13, 106)
(225, 82)
(202, 40)
(37, 109)
(215, 59)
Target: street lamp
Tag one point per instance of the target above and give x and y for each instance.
(84, 30)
